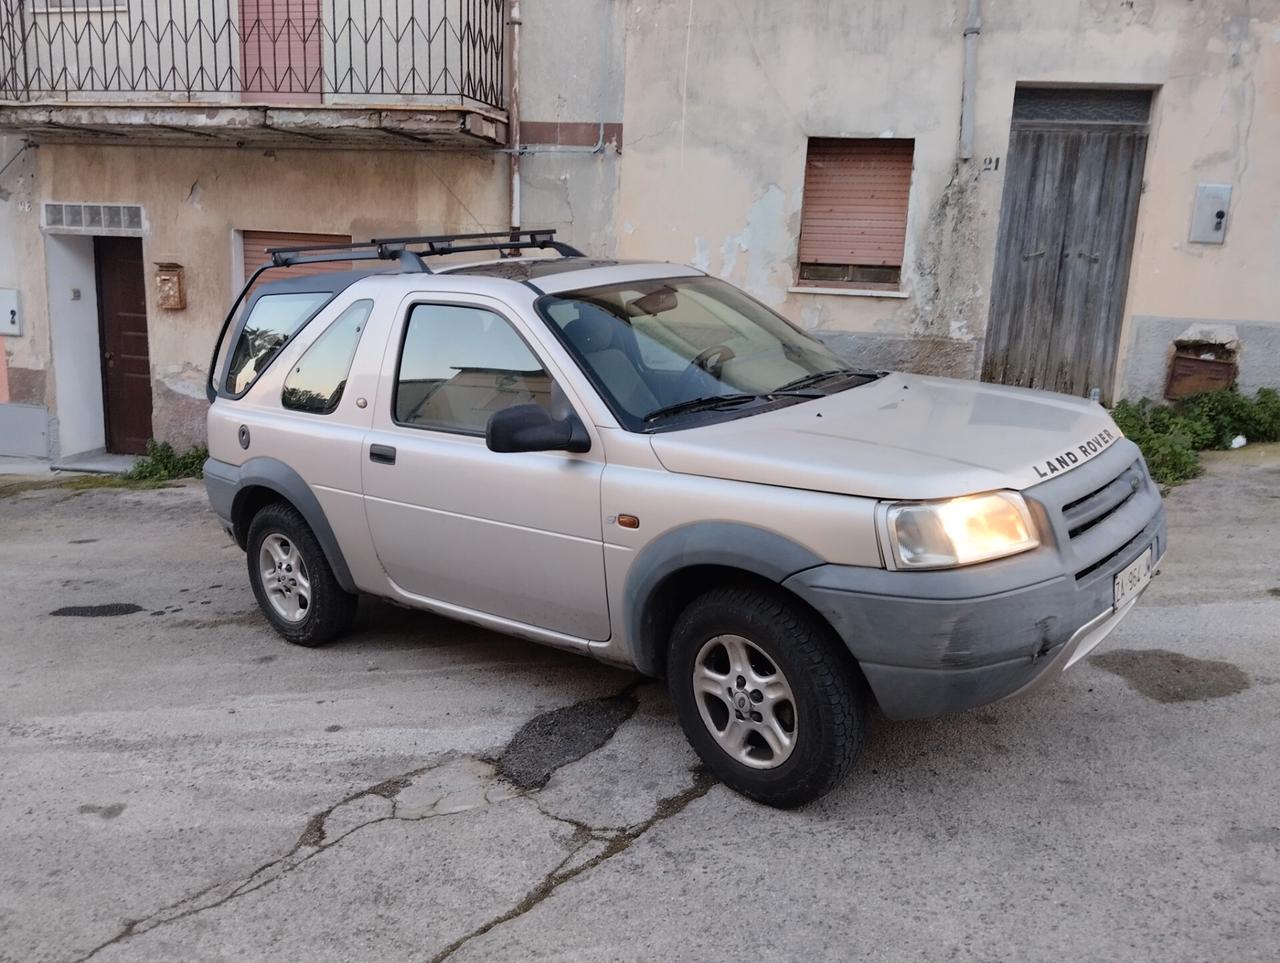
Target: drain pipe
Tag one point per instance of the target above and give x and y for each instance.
(513, 115)
(972, 29)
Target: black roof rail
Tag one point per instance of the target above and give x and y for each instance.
(390, 249)
(329, 253)
(502, 241)
(401, 248)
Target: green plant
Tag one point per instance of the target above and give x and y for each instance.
(1222, 415)
(162, 463)
(1168, 442)
(1171, 436)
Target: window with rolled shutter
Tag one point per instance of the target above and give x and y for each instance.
(853, 222)
(255, 245)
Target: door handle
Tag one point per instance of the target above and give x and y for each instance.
(382, 454)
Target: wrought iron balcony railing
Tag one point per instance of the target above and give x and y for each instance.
(295, 52)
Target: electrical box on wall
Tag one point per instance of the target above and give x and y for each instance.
(1209, 216)
(10, 319)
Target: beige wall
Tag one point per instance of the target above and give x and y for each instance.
(717, 99)
(194, 199)
(23, 358)
(721, 96)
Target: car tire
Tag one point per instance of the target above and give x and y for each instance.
(292, 581)
(785, 656)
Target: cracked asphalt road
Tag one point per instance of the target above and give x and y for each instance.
(176, 783)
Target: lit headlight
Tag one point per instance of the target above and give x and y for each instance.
(959, 531)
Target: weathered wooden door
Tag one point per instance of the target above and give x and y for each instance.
(126, 361)
(1071, 192)
(280, 44)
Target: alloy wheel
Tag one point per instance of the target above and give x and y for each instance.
(284, 577)
(745, 701)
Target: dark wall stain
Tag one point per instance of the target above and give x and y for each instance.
(1172, 677)
(27, 385)
(97, 611)
(561, 736)
(82, 541)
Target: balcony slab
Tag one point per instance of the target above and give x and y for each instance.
(398, 127)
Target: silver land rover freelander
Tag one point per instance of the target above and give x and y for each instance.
(641, 463)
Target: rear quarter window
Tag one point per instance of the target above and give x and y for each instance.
(316, 382)
(273, 320)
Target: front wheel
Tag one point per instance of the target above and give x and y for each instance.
(295, 587)
(766, 695)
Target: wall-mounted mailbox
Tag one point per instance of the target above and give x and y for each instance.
(1209, 216)
(10, 318)
(171, 287)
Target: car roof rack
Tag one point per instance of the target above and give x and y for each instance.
(391, 249)
(402, 248)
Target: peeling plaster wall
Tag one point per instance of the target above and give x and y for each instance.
(194, 201)
(25, 385)
(26, 356)
(571, 57)
(9, 147)
(722, 95)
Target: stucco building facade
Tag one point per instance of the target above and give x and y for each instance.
(687, 130)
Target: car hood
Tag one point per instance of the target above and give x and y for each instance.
(903, 436)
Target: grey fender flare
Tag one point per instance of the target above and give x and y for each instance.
(227, 485)
(727, 544)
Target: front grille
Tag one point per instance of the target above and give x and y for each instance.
(1099, 505)
(1099, 511)
(1106, 560)
(1085, 515)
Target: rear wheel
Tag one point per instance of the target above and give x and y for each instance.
(295, 587)
(766, 695)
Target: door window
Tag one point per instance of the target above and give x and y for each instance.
(315, 384)
(459, 365)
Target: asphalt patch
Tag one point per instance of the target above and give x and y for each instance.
(106, 812)
(561, 736)
(1171, 676)
(98, 611)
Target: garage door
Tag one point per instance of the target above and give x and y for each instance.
(257, 243)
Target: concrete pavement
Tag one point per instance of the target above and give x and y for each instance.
(178, 783)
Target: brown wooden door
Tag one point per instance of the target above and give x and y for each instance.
(1067, 220)
(126, 362)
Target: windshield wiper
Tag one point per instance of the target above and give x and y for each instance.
(706, 403)
(811, 380)
(714, 402)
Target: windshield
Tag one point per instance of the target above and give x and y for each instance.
(662, 351)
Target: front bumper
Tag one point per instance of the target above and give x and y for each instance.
(931, 643)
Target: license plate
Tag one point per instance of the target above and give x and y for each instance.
(1133, 579)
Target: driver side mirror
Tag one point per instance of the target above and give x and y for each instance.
(531, 428)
